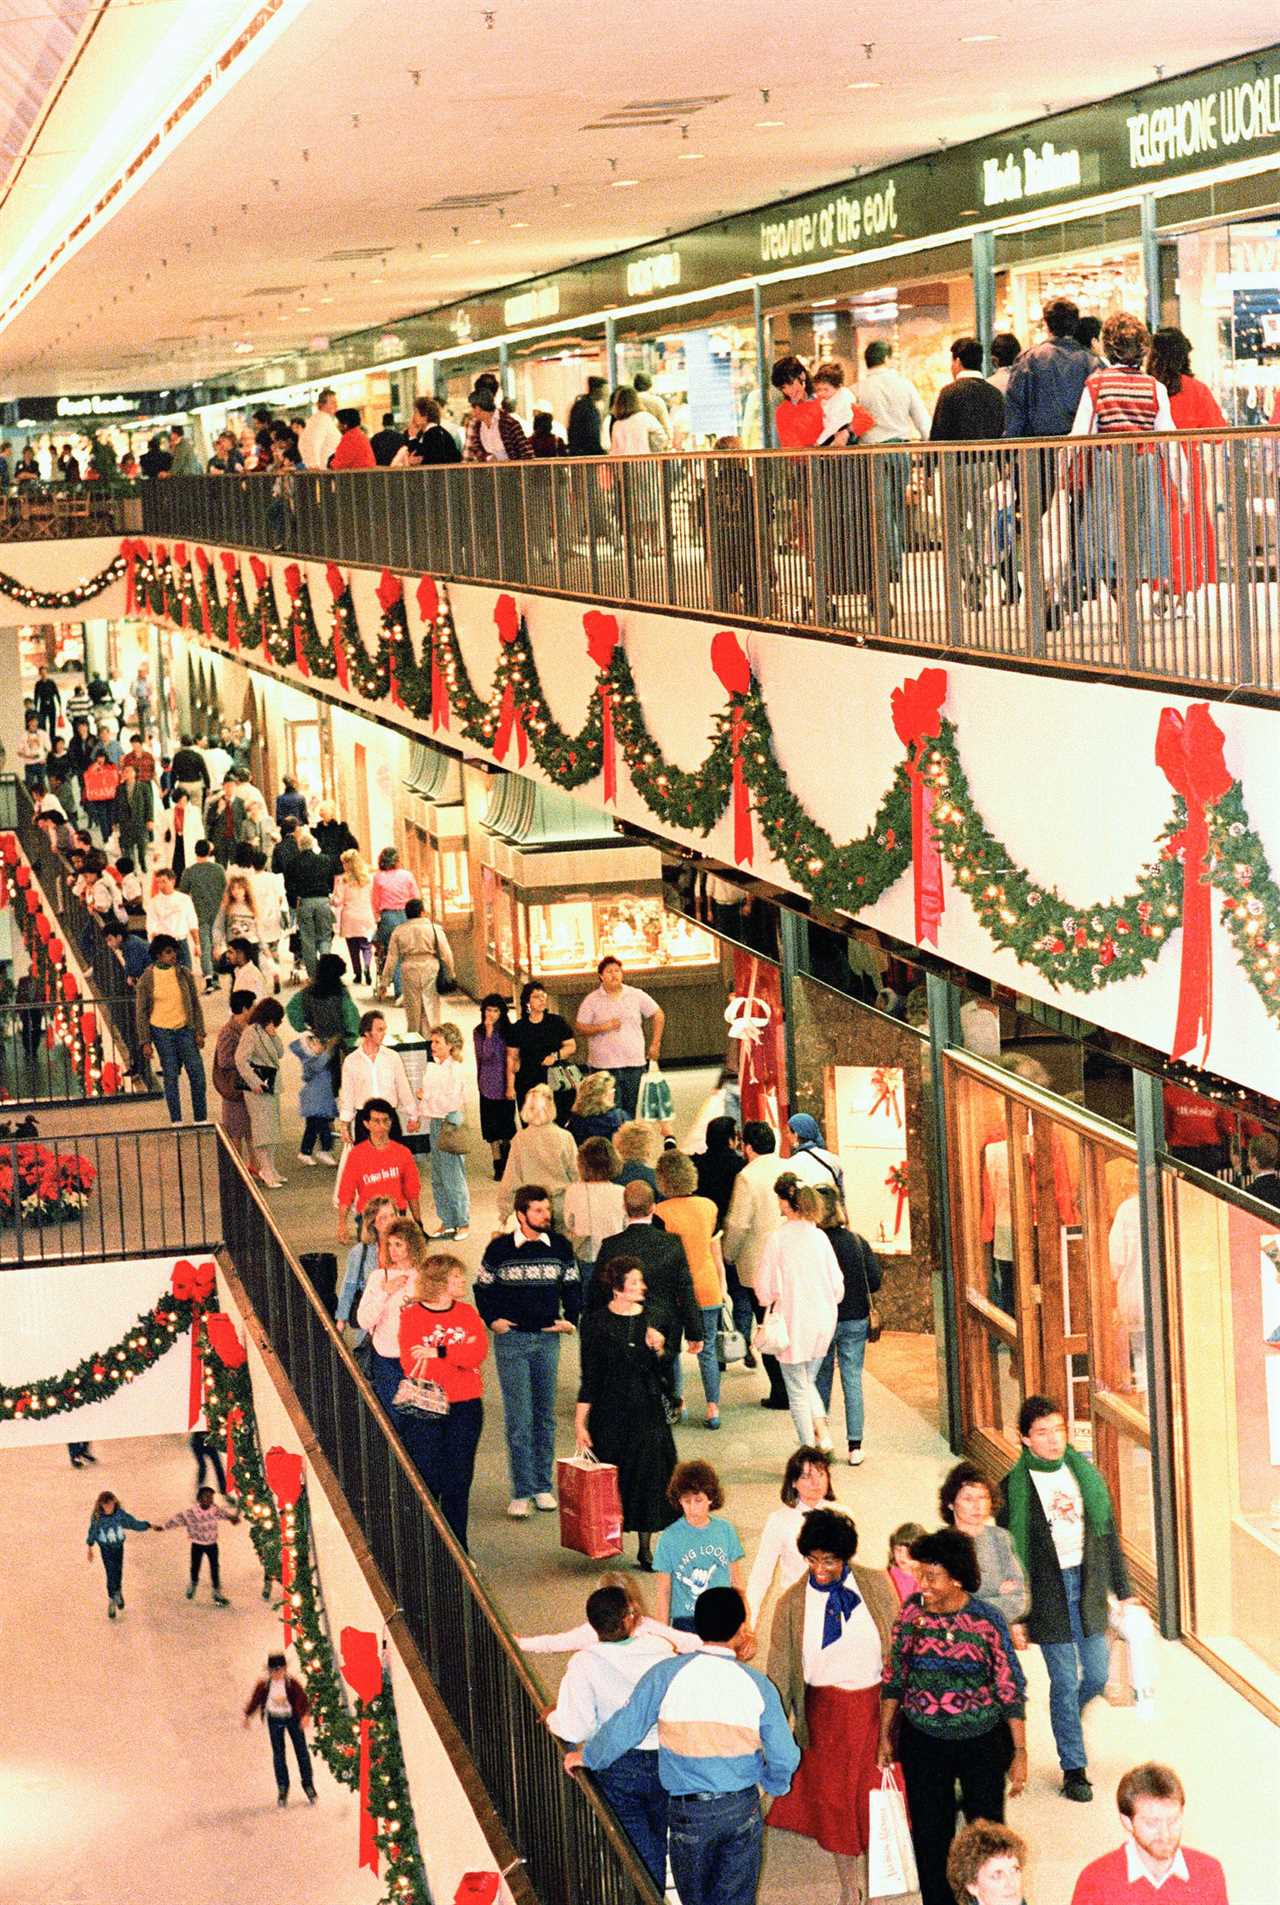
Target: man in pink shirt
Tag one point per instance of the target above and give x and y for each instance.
(612, 1020)
(1152, 1867)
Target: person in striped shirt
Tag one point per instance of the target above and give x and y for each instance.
(201, 1523)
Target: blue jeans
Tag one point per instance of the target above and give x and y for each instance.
(716, 1840)
(315, 930)
(387, 922)
(708, 1367)
(800, 1382)
(527, 1362)
(849, 1344)
(744, 1314)
(627, 1079)
(177, 1051)
(1077, 1674)
(443, 1450)
(206, 948)
(448, 1180)
(386, 1374)
(277, 1729)
(633, 1789)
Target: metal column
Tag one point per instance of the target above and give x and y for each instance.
(763, 387)
(504, 371)
(1150, 258)
(794, 935)
(944, 1031)
(1148, 1105)
(611, 353)
(982, 247)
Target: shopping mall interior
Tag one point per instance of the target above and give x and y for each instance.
(422, 537)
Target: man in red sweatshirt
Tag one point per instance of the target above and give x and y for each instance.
(1152, 1863)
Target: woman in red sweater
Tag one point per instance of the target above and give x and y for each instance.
(438, 1410)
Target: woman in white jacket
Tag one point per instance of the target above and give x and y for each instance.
(799, 1279)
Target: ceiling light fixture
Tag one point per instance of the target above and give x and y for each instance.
(519, 225)
(863, 86)
(769, 125)
(619, 183)
(977, 39)
(691, 155)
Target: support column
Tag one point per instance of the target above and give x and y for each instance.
(794, 935)
(944, 1031)
(1148, 1105)
(763, 386)
(611, 353)
(983, 248)
(1150, 258)
(504, 371)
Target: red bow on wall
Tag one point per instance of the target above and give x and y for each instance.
(229, 570)
(293, 588)
(337, 589)
(510, 714)
(603, 637)
(193, 1283)
(733, 672)
(917, 720)
(390, 591)
(284, 1479)
(429, 609)
(1189, 755)
(362, 1671)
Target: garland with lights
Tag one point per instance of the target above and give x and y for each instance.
(281, 1535)
(1084, 946)
(96, 1377)
(69, 1021)
(64, 599)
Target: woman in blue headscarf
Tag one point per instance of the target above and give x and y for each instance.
(831, 1636)
(806, 1135)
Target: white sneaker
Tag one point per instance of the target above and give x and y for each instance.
(546, 1502)
(458, 1235)
(518, 1509)
(305, 1157)
(330, 1158)
(856, 1456)
(273, 1183)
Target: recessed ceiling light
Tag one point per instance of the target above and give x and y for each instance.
(863, 86)
(375, 281)
(304, 310)
(619, 183)
(691, 155)
(439, 254)
(519, 224)
(328, 300)
(768, 125)
(243, 346)
(977, 39)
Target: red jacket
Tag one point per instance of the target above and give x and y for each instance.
(354, 452)
(298, 1704)
(444, 1346)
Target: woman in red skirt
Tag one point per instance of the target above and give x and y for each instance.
(830, 1637)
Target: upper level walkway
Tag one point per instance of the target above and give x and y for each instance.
(1152, 557)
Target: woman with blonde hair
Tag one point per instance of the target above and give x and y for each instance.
(365, 1256)
(439, 1407)
(639, 1146)
(442, 1097)
(693, 1220)
(542, 1152)
(353, 913)
(386, 1292)
(799, 1280)
(595, 1114)
(593, 1207)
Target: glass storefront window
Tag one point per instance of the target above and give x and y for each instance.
(706, 375)
(1227, 296)
(1100, 281)
(570, 935)
(918, 320)
(1226, 1267)
(1049, 1296)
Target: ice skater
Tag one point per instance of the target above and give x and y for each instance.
(282, 1702)
(201, 1523)
(108, 1525)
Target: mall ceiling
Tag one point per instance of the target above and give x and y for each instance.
(343, 163)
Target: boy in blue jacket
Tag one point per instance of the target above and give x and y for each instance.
(317, 1105)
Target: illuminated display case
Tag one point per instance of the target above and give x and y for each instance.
(572, 934)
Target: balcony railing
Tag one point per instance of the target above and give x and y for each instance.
(572, 1850)
(49, 512)
(104, 1195)
(1139, 556)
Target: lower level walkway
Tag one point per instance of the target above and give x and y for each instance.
(125, 1771)
(1226, 1753)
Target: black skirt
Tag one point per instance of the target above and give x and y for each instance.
(497, 1120)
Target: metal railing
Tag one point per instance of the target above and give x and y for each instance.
(51, 512)
(97, 1196)
(571, 1847)
(111, 994)
(1134, 555)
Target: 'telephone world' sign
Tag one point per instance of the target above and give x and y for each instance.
(1204, 124)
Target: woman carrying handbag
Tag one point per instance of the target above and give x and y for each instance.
(857, 1318)
(259, 1056)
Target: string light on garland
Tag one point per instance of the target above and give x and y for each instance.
(64, 599)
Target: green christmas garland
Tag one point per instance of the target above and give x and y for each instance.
(63, 599)
(1081, 946)
(99, 1376)
(229, 1396)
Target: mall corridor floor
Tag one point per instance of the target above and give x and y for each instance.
(1226, 1752)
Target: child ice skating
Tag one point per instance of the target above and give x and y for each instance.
(108, 1525)
(201, 1524)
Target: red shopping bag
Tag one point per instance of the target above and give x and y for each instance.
(590, 1506)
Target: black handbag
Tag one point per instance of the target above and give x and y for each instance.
(267, 1073)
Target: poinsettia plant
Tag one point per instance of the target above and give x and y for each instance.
(43, 1186)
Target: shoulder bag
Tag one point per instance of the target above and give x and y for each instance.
(446, 981)
(731, 1344)
(875, 1322)
(773, 1338)
(452, 1138)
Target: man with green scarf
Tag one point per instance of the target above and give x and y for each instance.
(1058, 1512)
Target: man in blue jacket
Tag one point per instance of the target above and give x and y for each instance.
(1044, 386)
(722, 1734)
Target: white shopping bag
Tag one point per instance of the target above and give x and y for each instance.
(891, 1859)
(1134, 1626)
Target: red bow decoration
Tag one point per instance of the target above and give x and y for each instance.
(337, 589)
(1189, 755)
(258, 570)
(284, 1479)
(896, 1181)
(510, 715)
(70, 987)
(429, 609)
(229, 566)
(193, 1283)
(733, 672)
(293, 581)
(885, 1087)
(362, 1671)
(22, 874)
(110, 1080)
(228, 1348)
(478, 1888)
(202, 564)
(43, 928)
(506, 618)
(131, 551)
(9, 849)
(603, 636)
(162, 570)
(57, 951)
(234, 1418)
(390, 590)
(917, 719)
(293, 586)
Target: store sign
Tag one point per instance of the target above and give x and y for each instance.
(1203, 124)
(661, 272)
(528, 307)
(94, 406)
(1030, 173)
(842, 222)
